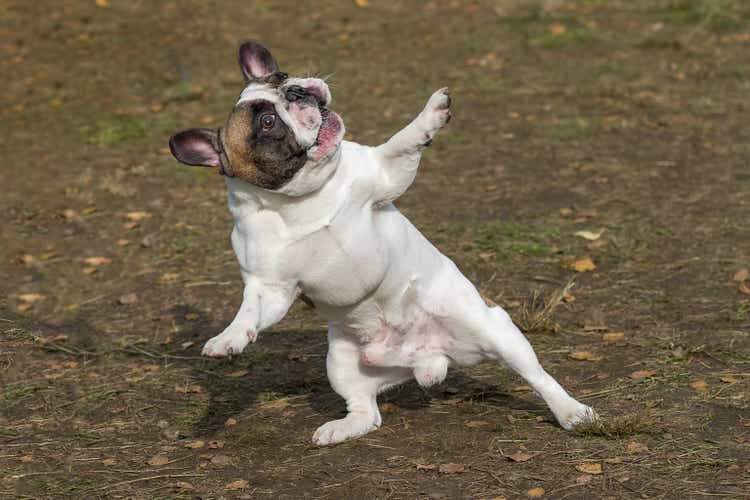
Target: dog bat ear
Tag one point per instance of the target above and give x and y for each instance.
(196, 146)
(256, 61)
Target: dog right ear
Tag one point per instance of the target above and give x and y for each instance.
(196, 146)
(256, 61)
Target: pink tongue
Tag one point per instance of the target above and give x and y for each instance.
(327, 135)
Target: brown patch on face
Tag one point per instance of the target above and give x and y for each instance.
(263, 155)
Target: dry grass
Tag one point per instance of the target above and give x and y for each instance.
(536, 312)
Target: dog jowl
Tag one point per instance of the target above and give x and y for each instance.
(314, 218)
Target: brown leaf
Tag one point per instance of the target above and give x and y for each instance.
(109, 461)
(535, 493)
(362, 3)
(590, 468)
(519, 456)
(168, 277)
(426, 466)
(613, 336)
(276, 404)
(636, 447)
(127, 299)
(157, 460)
(237, 373)
(137, 216)
(101, 3)
(700, 386)
(26, 458)
(451, 468)
(728, 380)
(741, 275)
(221, 460)
(184, 485)
(191, 316)
(521, 388)
(69, 213)
(476, 424)
(640, 374)
(24, 307)
(217, 444)
(558, 29)
(566, 212)
(744, 289)
(240, 484)
(89, 270)
(123, 242)
(31, 298)
(230, 422)
(97, 261)
(583, 265)
(387, 407)
(195, 444)
(585, 356)
(130, 225)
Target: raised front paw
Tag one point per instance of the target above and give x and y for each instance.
(231, 341)
(437, 112)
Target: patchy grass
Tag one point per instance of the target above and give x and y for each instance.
(620, 426)
(506, 239)
(536, 314)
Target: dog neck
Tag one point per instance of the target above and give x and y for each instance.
(298, 200)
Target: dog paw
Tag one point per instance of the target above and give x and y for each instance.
(437, 112)
(336, 431)
(230, 341)
(580, 415)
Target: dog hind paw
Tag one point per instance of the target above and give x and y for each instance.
(337, 431)
(582, 415)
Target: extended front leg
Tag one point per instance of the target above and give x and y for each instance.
(263, 305)
(398, 158)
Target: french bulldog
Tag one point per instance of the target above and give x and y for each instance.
(314, 217)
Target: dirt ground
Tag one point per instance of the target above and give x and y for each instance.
(624, 119)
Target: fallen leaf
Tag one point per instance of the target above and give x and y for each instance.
(156, 107)
(217, 444)
(387, 407)
(636, 447)
(168, 277)
(743, 288)
(583, 265)
(27, 259)
(568, 298)
(613, 336)
(69, 213)
(362, 3)
(585, 356)
(519, 456)
(184, 485)
(191, 316)
(90, 270)
(237, 373)
(101, 3)
(31, 298)
(187, 389)
(451, 468)
(97, 261)
(130, 225)
(728, 380)
(476, 424)
(127, 299)
(109, 461)
(276, 404)
(221, 460)
(137, 216)
(589, 235)
(521, 388)
(195, 444)
(741, 275)
(589, 468)
(640, 374)
(566, 212)
(123, 242)
(230, 422)
(24, 307)
(426, 466)
(535, 492)
(157, 460)
(557, 29)
(237, 485)
(700, 386)
(26, 458)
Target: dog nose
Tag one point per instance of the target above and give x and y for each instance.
(295, 92)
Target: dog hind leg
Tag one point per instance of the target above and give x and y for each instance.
(359, 385)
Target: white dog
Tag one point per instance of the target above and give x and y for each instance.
(313, 216)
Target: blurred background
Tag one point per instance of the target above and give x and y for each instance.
(594, 181)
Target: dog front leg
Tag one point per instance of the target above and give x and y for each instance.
(398, 158)
(262, 306)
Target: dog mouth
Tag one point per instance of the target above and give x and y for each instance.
(326, 141)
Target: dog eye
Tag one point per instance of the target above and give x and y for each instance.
(267, 121)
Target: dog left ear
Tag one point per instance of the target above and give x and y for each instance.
(196, 146)
(256, 61)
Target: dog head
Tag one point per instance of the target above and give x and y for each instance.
(278, 136)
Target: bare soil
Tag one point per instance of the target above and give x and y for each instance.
(627, 116)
